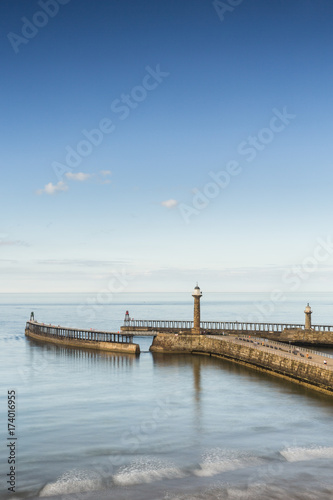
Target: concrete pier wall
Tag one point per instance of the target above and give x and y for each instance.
(316, 377)
(91, 344)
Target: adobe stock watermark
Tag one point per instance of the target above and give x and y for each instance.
(31, 27)
(294, 278)
(117, 282)
(248, 148)
(228, 6)
(121, 108)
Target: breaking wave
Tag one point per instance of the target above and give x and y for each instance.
(146, 470)
(73, 481)
(221, 460)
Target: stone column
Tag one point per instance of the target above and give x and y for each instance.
(197, 294)
(308, 313)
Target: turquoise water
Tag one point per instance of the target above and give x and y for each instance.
(98, 425)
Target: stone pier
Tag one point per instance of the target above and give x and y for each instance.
(256, 354)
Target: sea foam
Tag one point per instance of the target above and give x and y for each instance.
(73, 481)
(146, 470)
(220, 460)
(299, 453)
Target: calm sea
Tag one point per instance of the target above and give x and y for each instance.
(93, 425)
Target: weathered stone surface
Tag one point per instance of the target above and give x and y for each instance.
(300, 336)
(196, 323)
(299, 371)
(306, 337)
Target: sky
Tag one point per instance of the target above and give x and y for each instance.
(148, 145)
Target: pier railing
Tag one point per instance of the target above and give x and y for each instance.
(156, 324)
(78, 334)
(248, 327)
(239, 326)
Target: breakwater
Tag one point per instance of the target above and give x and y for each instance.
(89, 339)
(320, 335)
(279, 359)
(296, 335)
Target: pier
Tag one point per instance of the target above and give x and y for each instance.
(74, 337)
(270, 347)
(299, 334)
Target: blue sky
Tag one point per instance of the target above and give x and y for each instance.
(181, 96)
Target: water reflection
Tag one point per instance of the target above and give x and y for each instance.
(197, 377)
(255, 380)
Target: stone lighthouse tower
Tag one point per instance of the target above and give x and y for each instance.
(308, 313)
(197, 294)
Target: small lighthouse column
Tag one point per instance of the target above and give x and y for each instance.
(308, 313)
(127, 318)
(197, 294)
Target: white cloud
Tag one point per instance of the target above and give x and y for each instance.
(53, 188)
(169, 203)
(80, 176)
(105, 172)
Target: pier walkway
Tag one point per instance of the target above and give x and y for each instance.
(303, 354)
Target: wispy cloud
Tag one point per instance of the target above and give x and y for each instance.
(17, 243)
(53, 188)
(103, 174)
(169, 203)
(79, 176)
(82, 262)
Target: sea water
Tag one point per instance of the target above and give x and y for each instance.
(96, 425)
